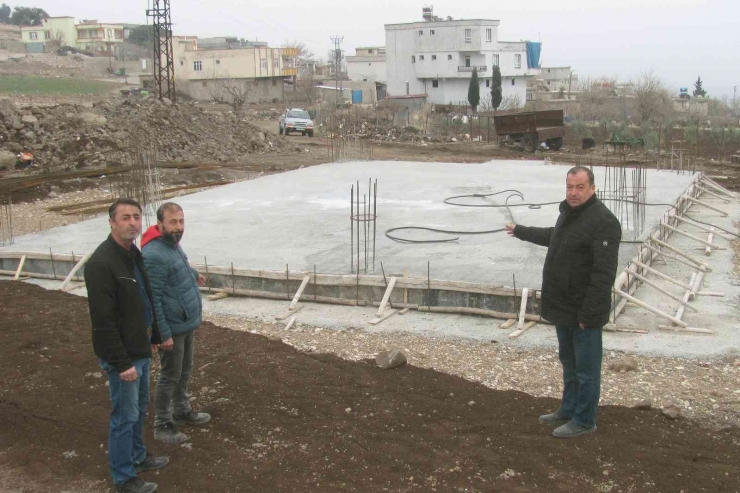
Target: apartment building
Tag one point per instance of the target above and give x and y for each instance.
(256, 72)
(555, 78)
(367, 65)
(89, 35)
(435, 59)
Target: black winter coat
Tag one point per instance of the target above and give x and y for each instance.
(119, 332)
(581, 263)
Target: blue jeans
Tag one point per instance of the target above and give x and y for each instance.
(580, 354)
(125, 434)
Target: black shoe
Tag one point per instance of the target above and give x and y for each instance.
(168, 433)
(150, 463)
(136, 485)
(191, 418)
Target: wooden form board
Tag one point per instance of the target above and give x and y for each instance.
(77, 267)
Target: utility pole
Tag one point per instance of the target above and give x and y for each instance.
(337, 41)
(164, 65)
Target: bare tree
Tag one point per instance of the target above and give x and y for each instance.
(306, 87)
(304, 54)
(653, 101)
(595, 96)
(511, 102)
(234, 92)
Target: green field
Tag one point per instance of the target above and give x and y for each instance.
(52, 86)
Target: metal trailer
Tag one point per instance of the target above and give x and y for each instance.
(532, 128)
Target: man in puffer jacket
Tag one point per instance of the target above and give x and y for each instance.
(178, 308)
(577, 280)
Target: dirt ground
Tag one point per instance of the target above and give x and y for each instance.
(287, 420)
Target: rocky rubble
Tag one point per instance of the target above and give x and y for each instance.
(75, 136)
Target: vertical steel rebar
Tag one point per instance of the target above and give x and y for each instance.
(429, 286)
(375, 218)
(364, 228)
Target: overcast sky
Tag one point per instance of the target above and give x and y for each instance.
(678, 39)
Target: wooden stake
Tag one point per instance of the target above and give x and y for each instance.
(387, 315)
(507, 324)
(521, 330)
(686, 296)
(710, 237)
(660, 274)
(709, 244)
(20, 268)
(386, 297)
(217, 296)
(701, 227)
(712, 184)
(708, 206)
(699, 264)
(404, 311)
(650, 283)
(650, 308)
(622, 328)
(697, 285)
(290, 323)
(676, 259)
(715, 195)
(71, 274)
(289, 313)
(522, 309)
(685, 329)
(299, 293)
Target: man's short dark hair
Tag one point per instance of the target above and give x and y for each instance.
(167, 207)
(114, 206)
(577, 169)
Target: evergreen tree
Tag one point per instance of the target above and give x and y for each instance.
(496, 93)
(5, 13)
(698, 90)
(474, 91)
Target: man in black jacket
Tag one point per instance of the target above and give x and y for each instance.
(577, 280)
(123, 332)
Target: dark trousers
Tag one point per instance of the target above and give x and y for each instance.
(580, 354)
(174, 377)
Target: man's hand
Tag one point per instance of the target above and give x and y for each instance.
(583, 327)
(129, 375)
(167, 345)
(201, 280)
(510, 229)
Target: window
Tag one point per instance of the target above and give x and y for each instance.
(431, 32)
(274, 82)
(513, 81)
(198, 66)
(33, 35)
(435, 83)
(413, 59)
(119, 34)
(110, 33)
(488, 82)
(276, 63)
(369, 52)
(47, 34)
(434, 57)
(449, 57)
(182, 63)
(494, 60)
(421, 32)
(204, 83)
(467, 61)
(488, 35)
(218, 62)
(517, 61)
(263, 63)
(468, 35)
(421, 58)
(407, 88)
(369, 64)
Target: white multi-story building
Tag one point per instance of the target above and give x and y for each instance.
(368, 65)
(556, 78)
(436, 59)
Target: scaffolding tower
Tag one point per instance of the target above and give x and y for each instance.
(164, 65)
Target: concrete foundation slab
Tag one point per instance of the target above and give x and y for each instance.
(301, 218)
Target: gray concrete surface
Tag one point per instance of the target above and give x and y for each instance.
(301, 218)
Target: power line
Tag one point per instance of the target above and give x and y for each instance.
(337, 56)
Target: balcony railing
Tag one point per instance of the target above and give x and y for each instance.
(464, 68)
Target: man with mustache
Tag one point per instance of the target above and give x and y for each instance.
(577, 280)
(124, 334)
(177, 308)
